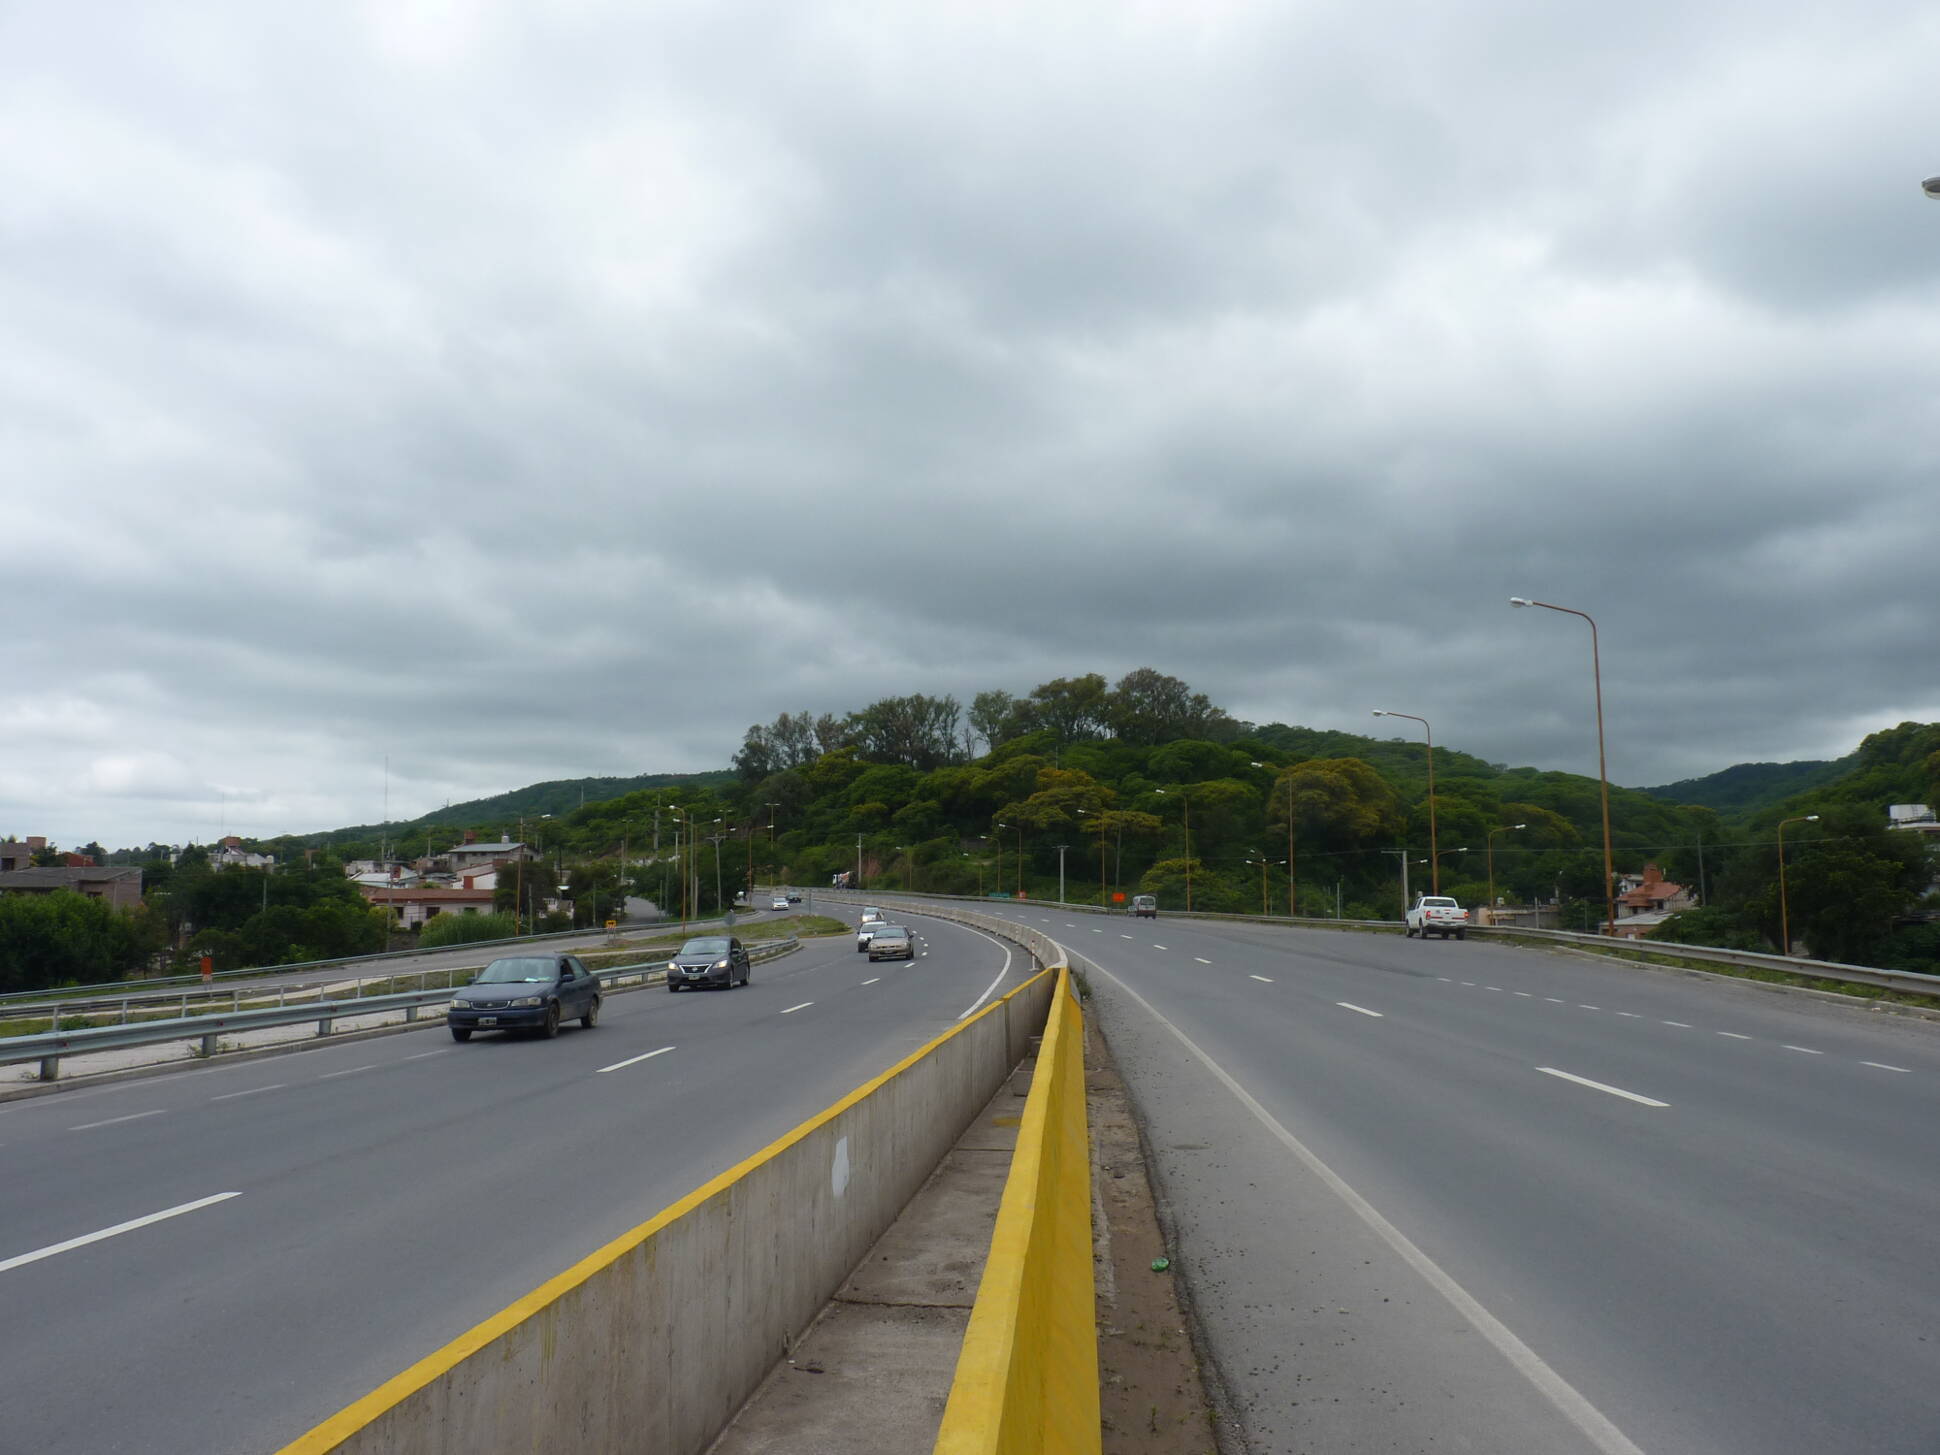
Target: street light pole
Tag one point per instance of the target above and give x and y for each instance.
(1435, 863)
(1061, 848)
(1489, 843)
(1784, 917)
(1602, 772)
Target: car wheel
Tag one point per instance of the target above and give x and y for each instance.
(460, 1034)
(1461, 934)
(551, 1027)
(591, 1018)
(672, 985)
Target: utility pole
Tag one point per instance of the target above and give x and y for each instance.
(858, 861)
(1061, 849)
(1404, 878)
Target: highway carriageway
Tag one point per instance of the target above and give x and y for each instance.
(1459, 1195)
(216, 1260)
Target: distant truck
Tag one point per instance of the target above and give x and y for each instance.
(1145, 906)
(1437, 914)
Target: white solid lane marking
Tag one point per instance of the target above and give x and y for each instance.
(1733, 1035)
(1806, 1050)
(253, 1091)
(1882, 1066)
(803, 1006)
(1681, 1025)
(1201, 960)
(1349, 1005)
(1604, 1436)
(872, 980)
(347, 1071)
(128, 1227)
(1262, 979)
(1599, 1086)
(991, 988)
(133, 1116)
(633, 1061)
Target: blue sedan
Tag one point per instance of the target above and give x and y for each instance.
(525, 992)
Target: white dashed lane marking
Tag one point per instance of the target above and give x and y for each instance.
(1158, 947)
(633, 1061)
(803, 1006)
(128, 1227)
(253, 1091)
(1733, 1036)
(1803, 1050)
(1600, 1086)
(133, 1116)
(1262, 979)
(1681, 1025)
(872, 980)
(1201, 960)
(347, 1071)
(1882, 1066)
(1349, 1005)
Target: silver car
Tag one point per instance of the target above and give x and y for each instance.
(892, 942)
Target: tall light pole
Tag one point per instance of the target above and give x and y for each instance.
(1098, 822)
(1489, 844)
(774, 846)
(1435, 866)
(1186, 803)
(998, 839)
(1263, 861)
(1784, 918)
(1293, 902)
(1061, 848)
(1602, 772)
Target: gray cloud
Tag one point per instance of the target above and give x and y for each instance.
(520, 395)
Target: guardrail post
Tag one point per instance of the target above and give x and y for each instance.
(410, 1013)
(323, 1025)
(50, 1068)
(209, 1044)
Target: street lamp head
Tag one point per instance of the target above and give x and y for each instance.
(1811, 818)
(1378, 712)
(1932, 188)
(1520, 601)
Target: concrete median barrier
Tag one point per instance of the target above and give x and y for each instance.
(1027, 1375)
(687, 1311)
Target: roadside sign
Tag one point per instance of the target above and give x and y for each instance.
(1118, 896)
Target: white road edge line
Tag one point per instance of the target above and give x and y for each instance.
(1882, 1066)
(1349, 1005)
(1600, 1086)
(1261, 978)
(803, 1006)
(134, 1116)
(1596, 1427)
(128, 1227)
(633, 1061)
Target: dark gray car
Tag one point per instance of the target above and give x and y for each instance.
(709, 960)
(525, 992)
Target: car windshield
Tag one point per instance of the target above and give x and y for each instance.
(891, 932)
(521, 971)
(704, 947)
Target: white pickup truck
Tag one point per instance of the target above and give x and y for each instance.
(1437, 914)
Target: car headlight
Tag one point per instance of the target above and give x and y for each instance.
(673, 966)
(528, 1000)
(720, 964)
(461, 1005)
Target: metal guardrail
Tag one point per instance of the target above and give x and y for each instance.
(170, 985)
(1616, 947)
(50, 1047)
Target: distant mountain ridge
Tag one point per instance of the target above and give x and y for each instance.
(1747, 788)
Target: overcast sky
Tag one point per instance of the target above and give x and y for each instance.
(522, 392)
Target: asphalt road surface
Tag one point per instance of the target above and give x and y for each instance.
(284, 1235)
(1456, 1196)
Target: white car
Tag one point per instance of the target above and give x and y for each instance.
(872, 915)
(780, 902)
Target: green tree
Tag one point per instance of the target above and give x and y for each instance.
(64, 938)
